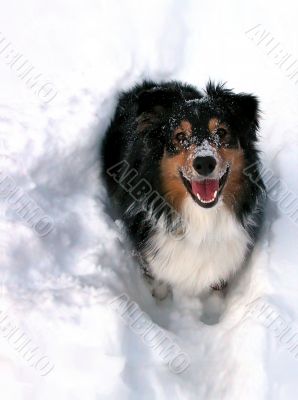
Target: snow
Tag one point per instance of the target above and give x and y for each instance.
(57, 289)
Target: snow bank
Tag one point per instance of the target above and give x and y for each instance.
(64, 331)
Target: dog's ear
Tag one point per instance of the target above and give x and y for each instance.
(156, 100)
(153, 104)
(243, 110)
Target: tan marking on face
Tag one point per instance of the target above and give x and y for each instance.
(173, 188)
(215, 124)
(185, 128)
(234, 183)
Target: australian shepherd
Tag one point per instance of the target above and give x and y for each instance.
(174, 164)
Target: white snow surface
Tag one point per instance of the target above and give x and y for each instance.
(56, 289)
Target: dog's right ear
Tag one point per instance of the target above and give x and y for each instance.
(156, 100)
(153, 104)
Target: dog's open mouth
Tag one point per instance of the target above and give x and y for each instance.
(206, 192)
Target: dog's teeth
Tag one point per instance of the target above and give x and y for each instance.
(210, 201)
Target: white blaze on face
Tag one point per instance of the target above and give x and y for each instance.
(205, 150)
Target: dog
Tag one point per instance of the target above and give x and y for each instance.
(182, 173)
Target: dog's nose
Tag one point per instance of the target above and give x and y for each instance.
(204, 165)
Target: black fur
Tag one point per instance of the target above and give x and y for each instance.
(140, 133)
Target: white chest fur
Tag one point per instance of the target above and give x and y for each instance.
(212, 249)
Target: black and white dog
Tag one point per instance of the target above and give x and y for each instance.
(174, 162)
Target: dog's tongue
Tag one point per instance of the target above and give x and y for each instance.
(205, 189)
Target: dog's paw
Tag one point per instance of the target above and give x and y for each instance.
(160, 290)
(221, 285)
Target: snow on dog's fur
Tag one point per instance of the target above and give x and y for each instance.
(191, 149)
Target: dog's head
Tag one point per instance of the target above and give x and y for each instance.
(204, 141)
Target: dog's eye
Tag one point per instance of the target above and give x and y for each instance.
(180, 137)
(226, 138)
(222, 132)
(183, 139)
(224, 135)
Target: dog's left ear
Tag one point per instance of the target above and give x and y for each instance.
(153, 104)
(245, 112)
